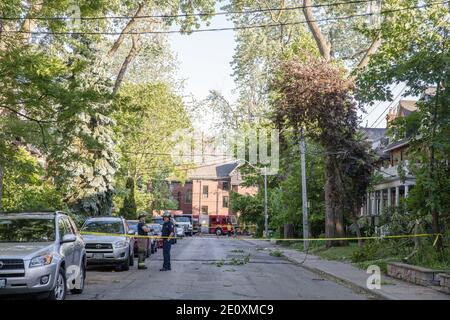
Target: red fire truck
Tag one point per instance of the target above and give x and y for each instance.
(218, 224)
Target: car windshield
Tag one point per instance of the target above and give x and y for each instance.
(158, 220)
(132, 225)
(182, 219)
(156, 227)
(104, 227)
(27, 230)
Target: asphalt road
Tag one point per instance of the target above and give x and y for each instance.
(214, 268)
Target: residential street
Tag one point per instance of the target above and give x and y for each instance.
(198, 273)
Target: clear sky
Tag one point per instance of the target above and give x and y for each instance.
(204, 59)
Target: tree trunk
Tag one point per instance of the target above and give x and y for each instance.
(1, 187)
(334, 215)
(288, 231)
(357, 229)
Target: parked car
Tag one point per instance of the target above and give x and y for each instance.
(41, 253)
(157, 231)
(185, 221)
(115, 249)
(132, 224)
(179, 231)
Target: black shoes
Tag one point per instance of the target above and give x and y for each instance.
(164, 269)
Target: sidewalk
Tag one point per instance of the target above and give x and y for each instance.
(355, 277)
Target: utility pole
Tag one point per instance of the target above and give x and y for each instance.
(266, 217)
(304, 191)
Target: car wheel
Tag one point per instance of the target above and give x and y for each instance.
(124, 266)
(131, 259)
(59, 292)
(218, 231)
(82, 278)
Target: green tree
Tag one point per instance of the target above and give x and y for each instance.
(148, 116)
(415, 51)
(129, 209)
(25, 186)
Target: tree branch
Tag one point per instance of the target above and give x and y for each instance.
(25, 116)
(322, 43)
(372, 49)
(125, 30)
(123, 69)
(28, 24)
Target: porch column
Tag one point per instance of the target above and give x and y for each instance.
(406, 190)
(389, 197)
(397, 196)
(372, 203)
(381, 201)
(376, 202)
(367, 204)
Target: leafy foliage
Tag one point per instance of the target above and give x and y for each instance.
(415, 51)
(316, 95)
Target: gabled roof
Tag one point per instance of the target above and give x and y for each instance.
(373, 134)
(213, 171)
(396, 144)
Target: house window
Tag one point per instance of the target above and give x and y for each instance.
(204, 209)
(188, 197)
(225, 201)
(225, 185)
(205, 191)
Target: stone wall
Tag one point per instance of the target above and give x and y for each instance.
(445, 282)
(414, 274)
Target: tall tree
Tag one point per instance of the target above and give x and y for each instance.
(148, 117)
(316, 95)
(415, 50)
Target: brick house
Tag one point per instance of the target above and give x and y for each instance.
(207, 190)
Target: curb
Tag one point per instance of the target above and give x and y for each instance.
(345, 282)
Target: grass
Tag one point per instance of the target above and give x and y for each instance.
(381, 263)
(275, 253)
(337, 253)
(378, 253)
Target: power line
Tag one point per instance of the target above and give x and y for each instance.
(217, 29)
(187, 15)
(376, 105)
(387, 108)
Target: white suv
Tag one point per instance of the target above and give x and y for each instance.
(41, 253)
(109, 242)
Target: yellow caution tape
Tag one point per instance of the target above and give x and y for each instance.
(280, 239)
(124, 235)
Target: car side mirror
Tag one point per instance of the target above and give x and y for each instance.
(68, 238)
